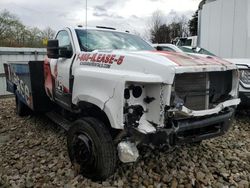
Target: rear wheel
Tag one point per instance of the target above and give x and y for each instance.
(21, 108)
(91, 149)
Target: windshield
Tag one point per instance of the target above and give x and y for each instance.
(108, 40)
(184, 42)
(203, 51)
(195, 50)
(187, 50)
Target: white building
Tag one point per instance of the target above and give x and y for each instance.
(224, 27)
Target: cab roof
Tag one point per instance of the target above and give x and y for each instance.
(99, 28)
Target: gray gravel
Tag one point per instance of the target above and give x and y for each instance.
(33, 153)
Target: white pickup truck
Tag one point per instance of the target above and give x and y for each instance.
(244, 86)
(112, 91)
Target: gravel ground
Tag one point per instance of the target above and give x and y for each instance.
(33, 153)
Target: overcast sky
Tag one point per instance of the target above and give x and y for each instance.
(122, 14)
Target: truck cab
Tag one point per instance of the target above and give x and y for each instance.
(187, 41)
(112, 91)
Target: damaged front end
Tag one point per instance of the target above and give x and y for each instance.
(195, 107)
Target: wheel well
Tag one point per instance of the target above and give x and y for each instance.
(91, 110)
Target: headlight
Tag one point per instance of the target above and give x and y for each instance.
(245, 76)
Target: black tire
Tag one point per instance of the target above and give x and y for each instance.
(91, 149)
(197, 143)
(21, 108)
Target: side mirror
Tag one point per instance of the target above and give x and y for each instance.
(53, 49)
(65, 52)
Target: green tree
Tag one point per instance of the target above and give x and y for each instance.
(34, 37)
(193, 24)
(162, 35)
(175, 30)
(8, 25)
(13, 33)
(156, 21)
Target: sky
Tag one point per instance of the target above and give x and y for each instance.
(130, 15)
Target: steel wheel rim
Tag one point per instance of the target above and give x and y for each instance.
(83, 149)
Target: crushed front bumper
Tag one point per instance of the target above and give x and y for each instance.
(190, 130)
(192, 113)
(194, 130)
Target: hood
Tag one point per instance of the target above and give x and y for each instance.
(156, 65)
(189, 62)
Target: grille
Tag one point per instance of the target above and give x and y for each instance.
(201, 91)
(245, 76)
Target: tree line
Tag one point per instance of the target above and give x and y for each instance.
(13, 33)
(180, 26)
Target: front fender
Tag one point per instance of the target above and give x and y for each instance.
(98, 89)
(105, 89)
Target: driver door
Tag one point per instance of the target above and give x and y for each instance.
(62, 70)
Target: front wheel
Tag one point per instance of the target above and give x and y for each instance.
(197, 143)
(91, 149)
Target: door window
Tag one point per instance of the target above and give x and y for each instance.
(64, 40)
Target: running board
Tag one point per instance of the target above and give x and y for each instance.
(60, 120)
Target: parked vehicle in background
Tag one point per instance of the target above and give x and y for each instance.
(112, 91)
(187, 41)
(185, 49)
(244, 86)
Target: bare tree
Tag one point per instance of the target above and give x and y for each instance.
(184, 26)
(180, 25)
(48, 33)
(154, 24)
(161, 32)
